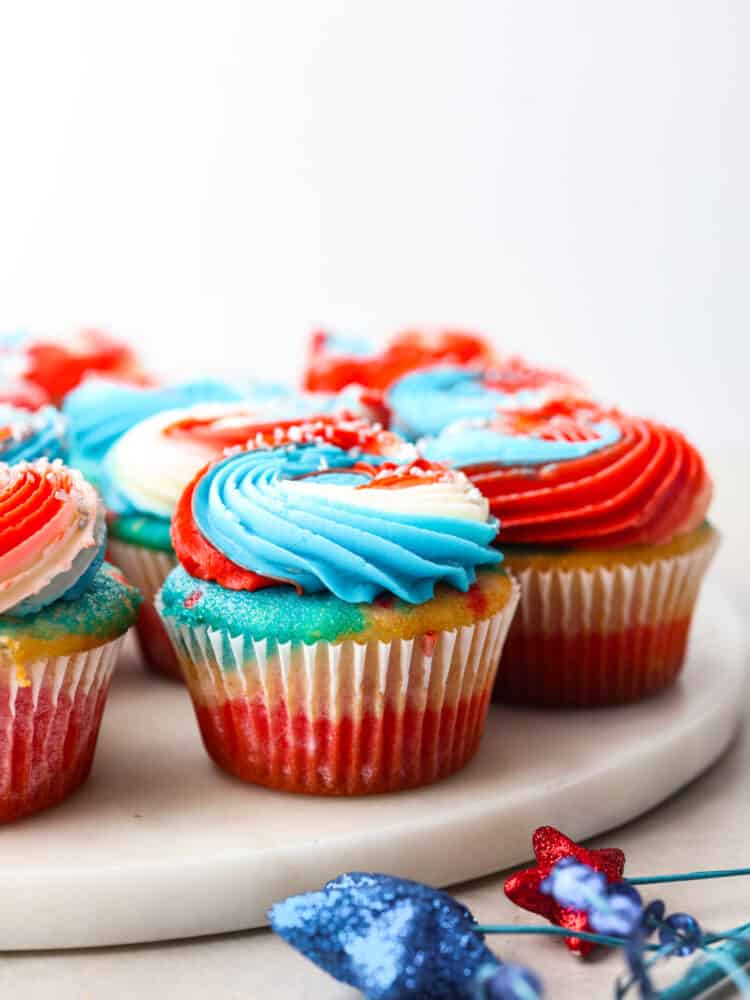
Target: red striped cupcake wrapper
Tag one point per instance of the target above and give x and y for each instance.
(343, 718)
(49, 727)
(601, 636)
(147, 569)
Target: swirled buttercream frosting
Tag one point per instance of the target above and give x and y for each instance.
(572, 474)
(52, 535)
(322, 518)
(101, 410)
(26, 436)
(274, 401)
(424, 402)
(336, 361)
(150, 465)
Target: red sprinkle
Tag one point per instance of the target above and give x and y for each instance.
(192, 599)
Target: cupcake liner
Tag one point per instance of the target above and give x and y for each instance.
(148, 569)
(600, 635)
(49, 723)
(343, 718)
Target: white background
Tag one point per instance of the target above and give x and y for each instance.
(213, 179)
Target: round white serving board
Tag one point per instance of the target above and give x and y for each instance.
(160, 844)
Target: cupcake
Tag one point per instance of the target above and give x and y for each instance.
(63, 613)
(56, 366)
(338, 617)
(102, 409)
(144, 474)
(425, 401)
(26, 436)
(604, 524)
(335, 362)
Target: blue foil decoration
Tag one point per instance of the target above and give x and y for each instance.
(391, 938)
(682, 933)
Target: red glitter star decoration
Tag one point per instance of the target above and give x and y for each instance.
(551, 846)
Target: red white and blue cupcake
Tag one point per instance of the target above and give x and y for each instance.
(63, 613)
(338, 617)
(144, 473)
(603, 521)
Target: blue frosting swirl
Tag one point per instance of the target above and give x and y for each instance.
(241, 507)
(466, 444)
(101, 411)
(32, 435)
(426, 401)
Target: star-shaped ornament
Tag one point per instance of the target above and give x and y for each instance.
(551, 846)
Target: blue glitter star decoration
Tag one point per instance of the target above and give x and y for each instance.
(391, 938)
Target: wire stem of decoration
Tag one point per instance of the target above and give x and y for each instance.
(719, 963)
(688, 876)
(603, 939)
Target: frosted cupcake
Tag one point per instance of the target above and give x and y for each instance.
(335, 362)
(603, 523)
(63, 613)
(26, 436)
(338, 619)
(58, 365)
(145, 472)
(426, 401)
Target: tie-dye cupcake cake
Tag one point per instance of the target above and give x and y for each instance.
(338, 617)
(603, 522)
(63, 613)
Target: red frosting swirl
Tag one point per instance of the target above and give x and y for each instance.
(646, 488)
(331, 371)
(58, 368)
(30, 496)
(239, 430)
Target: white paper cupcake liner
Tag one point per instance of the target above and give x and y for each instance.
(600, 635)
(147, 569)
(49, 723)
(343, 718)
